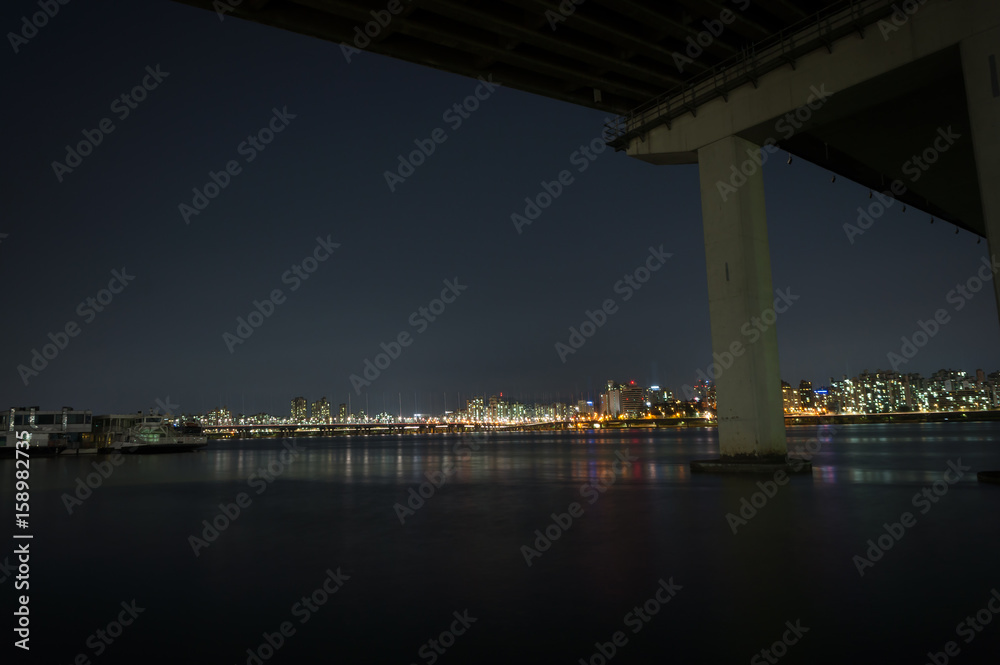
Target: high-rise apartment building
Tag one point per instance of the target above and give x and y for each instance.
(807, 399)
(475, 409)
(632, 402)
(611, 400)
(320, 411)
(789, 398)
(299, 414)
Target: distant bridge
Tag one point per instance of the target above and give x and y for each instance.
(347, 429)
(381, 429)
(369, 429)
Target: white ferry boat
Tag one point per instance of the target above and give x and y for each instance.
(155, 434)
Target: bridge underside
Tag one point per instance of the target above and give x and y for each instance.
(870, 134)
(606, 54)
(616, 55)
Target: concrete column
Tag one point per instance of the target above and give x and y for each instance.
(751, 416)
(981, 67)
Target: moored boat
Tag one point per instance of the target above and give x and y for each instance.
(153, 434)
(48, 432)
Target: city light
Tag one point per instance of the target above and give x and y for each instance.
(878, 392)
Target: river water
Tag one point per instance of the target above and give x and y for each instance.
(639, 551)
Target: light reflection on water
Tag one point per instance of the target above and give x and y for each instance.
(333, 505)
(853, 454)
(865, 454)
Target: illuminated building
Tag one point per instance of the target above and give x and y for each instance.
(321, 411)
(475, 409)
(822, 399)
(891, 392)
(544, 413)
(611, 400)
(299, 414)
(633, 404)
(221, 416)
(655, 395)
(789, 398)
(807, 399)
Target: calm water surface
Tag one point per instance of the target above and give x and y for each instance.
(336, 505)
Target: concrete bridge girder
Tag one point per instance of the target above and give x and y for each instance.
(980, 63)
(864, 111)
(937, 25)
(819, 108)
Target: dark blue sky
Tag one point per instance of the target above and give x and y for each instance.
(323, 176)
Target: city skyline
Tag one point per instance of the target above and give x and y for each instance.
(887, 391)
(868, 393)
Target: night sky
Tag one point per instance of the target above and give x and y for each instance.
(323, 177)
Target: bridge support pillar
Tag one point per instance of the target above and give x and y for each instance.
(742, 308)
(981, 68)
